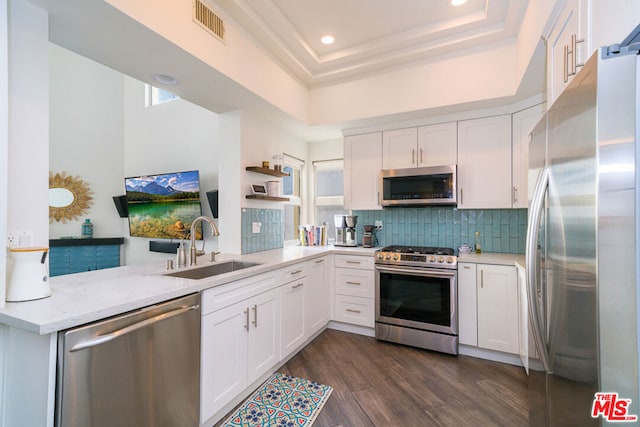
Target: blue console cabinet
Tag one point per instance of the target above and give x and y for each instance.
(68, 256)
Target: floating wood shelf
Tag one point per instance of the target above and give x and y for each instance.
(266, 171)
(269, 198)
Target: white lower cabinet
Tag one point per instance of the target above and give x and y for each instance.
(293, 314)
(467, 304)
(240, 343)
(488, 306)
(497, 308)
(354, 294)
(316, 296)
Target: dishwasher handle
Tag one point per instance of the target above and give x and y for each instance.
(101, 339)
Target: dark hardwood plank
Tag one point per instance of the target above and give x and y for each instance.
(382, 384)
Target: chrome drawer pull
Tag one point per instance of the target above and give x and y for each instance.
(246, 325)
(297, 286)
(255, 315)
(354, 262)
(354, 283)
(350, 310)
(295, 272)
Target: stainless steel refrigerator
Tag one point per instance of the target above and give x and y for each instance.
(582, 243)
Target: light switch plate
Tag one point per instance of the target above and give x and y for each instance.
(255, 227)
(378, 224)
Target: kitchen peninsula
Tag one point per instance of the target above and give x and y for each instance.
(29, 330)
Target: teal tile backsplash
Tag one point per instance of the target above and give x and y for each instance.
(271, 235)
(501, 230)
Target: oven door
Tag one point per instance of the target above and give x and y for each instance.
(420, 298)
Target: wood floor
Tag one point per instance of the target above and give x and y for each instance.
(382, 384)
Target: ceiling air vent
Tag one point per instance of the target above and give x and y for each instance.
(207, 19)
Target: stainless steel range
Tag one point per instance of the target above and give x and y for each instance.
(417, 297)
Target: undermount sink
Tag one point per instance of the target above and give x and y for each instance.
(213, 269)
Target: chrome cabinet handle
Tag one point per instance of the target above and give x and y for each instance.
(255, 315)
(461, 196)
(420, 155)
(481, 278)
(570, 67)
(350, 310)
(246, 325)
(101, 339)
(413, 155)
(295, 272)
(565, 63)
(297, 286)
(319, 261)
(353, 262)
(354, 283)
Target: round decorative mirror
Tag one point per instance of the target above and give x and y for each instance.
(69, 197)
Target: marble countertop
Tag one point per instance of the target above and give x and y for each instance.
(82, 298)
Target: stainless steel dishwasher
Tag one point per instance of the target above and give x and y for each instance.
(138, 369)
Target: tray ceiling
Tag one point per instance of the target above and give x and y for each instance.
(370, 35)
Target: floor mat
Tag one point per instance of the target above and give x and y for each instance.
(282, 401)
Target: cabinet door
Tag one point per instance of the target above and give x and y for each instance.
(224, 357)
(264, 334)
(292, 320)
(523, 123)
(497, 308)
(467, 309)
(572, 21)
(316, 296)
(362, 165)
(399, 148)
(484, 163)
(437, 145)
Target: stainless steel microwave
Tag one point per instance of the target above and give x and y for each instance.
(418, 186)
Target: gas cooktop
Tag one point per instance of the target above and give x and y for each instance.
(419, 256)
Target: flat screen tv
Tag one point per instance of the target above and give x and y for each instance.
(164, 206)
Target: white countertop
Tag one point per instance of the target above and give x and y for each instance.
(82, 298)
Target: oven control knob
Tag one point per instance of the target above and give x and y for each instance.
(387, 257)
(432, 259)
(449, 260)
(440, 259)
(395, 257)
(380, 256)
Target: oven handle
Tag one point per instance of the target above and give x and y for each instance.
(417, 271)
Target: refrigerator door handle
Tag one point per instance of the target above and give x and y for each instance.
(535, 211)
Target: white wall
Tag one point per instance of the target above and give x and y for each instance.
(86, 136)
(613, 21)
(28, 122)
(4, 142)
(170, 137)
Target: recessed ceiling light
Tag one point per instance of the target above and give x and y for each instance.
(165, 79)
(328, 39)
(458, 2)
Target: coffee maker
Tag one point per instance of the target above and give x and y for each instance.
(368, 236)
(345, 230)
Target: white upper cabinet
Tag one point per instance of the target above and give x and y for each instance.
(433, 145)
(484, 163)
(437, 145)
(523, 123)
(399, 148)
(567, 46)
(362, 165)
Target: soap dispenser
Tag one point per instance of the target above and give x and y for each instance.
(181, 255)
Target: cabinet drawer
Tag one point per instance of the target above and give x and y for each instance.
(357, 283)
(354, 261)
(292, 272)
(354, 310)
(216, 298)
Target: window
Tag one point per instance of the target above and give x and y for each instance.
(155, 95)
(329, 192)
(291, 186)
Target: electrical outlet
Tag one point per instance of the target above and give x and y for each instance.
(378, 224)
(19, 239)
(255, 227)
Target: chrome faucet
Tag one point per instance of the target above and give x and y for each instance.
(193, 253)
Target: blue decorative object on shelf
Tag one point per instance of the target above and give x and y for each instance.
(87, 229)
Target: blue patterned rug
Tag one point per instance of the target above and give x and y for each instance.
(282, 401)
